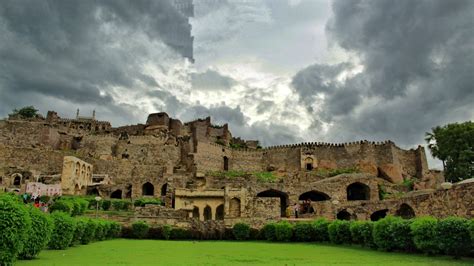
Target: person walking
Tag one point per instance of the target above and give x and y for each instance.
(296, 209)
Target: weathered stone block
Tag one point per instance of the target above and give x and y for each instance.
(391, 173)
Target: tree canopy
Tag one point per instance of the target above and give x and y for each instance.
(25, 112)
(453, 144)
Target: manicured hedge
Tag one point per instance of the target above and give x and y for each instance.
(339, 232)
(284, 231)
(453, 236)
(269, 231)
(361, 233)
(15, 225)
(63, 233)
(166, 231)
(241, 231)
(140, 229)
(424, 234)
(89, 231)
(39, 235)
(320, 230)
(304, 232)
(81, 225)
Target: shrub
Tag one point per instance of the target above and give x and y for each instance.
(81, 224)
(166, 231)
(424, 234)
(15, 225)
(402, 235)
(255, 234)
(391, 233)
(117, 205)
(140, 229)
(106, 205)
(39, 234)
(144, 201)
(179, 234)
(361, 233)
(241, 231)
(320, 230)
(62, 205)
(304, 232)
(63, 233)
(114, 229)
(101, 230)
(126, 205)
(269, 231)
(453, 236)
(284, 231)
(89, 231)
(339, 232)
(127, 232)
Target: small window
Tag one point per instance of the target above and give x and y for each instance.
(309, 166)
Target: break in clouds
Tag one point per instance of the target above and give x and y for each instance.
(279, 71)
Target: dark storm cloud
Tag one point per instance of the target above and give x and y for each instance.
(417, 58)
(76, 51)
(211, 80)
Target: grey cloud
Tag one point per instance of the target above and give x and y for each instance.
(211, 80)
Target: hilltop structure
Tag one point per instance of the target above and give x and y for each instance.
(201, 172)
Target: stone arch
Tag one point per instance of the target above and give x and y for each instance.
(117, 194)
(77, 190)
(377, 215)
(207, 213)
(196, 212)
(358, 191)
(17, 180)
(314, 195)
(308, 162)
(272, 193)
(234, 207)
(226, 163)
(148, 189)
(405, 211)
(164, 189)
(78, 169)
(220, 212)
(83, 170)
(93, 192)
(345, 215)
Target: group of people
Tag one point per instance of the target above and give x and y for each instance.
(36, 201)
(299, 208)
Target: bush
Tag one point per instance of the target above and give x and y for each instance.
(254, 234)
(63, 233)
(284, 231)
(269, 231)
(339, 232)
(89, 231)
(39, 235)
(15, 225)
(106, 205)
(166, 231)
(63, 206)
(179, 234)
(140, 229)
(361, 233)
(114, 230)
(126, 205)
(392, 233)
(241, 231)
(100, 230)
(320, 230)
(304, 232)
(81, 224)
(424, 234)
(453, 236)
(146, 201)
(117, 205)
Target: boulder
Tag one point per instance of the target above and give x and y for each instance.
(391, 173)
(367, 167)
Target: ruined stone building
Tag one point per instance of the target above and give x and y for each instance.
(201, 172)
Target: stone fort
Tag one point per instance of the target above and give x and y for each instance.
(202, 173)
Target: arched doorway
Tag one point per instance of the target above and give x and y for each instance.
(378, 215)
(272, 193)
(344, 215)
(164, 189)
(405, 211)
(117, 194)
(128, 195)
(234, 207)
(196, 212)
(77, 190)
(314, 195)
(358, 191)
(207, 213)
(93, 192)
(148, 189)
(17, 181)
(226, 163)
(220, 212)
(308, 163)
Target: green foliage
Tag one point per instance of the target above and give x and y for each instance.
(118, 204)
(424, 234)
(89, 231)
(393, 233)
(320, 230)
(15, 226)
(39, 234)
(81, 224)
(454, 145)
(26, 112)
(114, 230)
(339, 232)
(166, 231)
(361, 233)
(228, 174)
(62, 205)
(63, 233)
(269, 231)
(73, 205)
(241, 231)
(238, 146)
(265, 177)
(140, 229)
(304, 232)
(409, 183)
(382, 192)
(220, 142)
(100, 230)
(283, 231)
(179, 234)
(453, 236)
(338, 171)
(146, 201)
(106, 204)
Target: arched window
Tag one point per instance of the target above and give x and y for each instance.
(196, 212)
(378, 215)
(234, 207)
(207, 213)
(117, 194)
(78, 169)
(405, 211)
(358, 191)
(17, 181)
(220, 212)
(314, 195)
(148, 189)
(272, 193)
(344, 215)
(226, 163)
(309, 163)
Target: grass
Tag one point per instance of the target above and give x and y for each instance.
(161, 252)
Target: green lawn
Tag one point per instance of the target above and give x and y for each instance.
(160, 252)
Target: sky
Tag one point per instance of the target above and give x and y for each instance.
(280, 71)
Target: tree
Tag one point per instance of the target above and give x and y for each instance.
(26, 112)
(453, 144)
